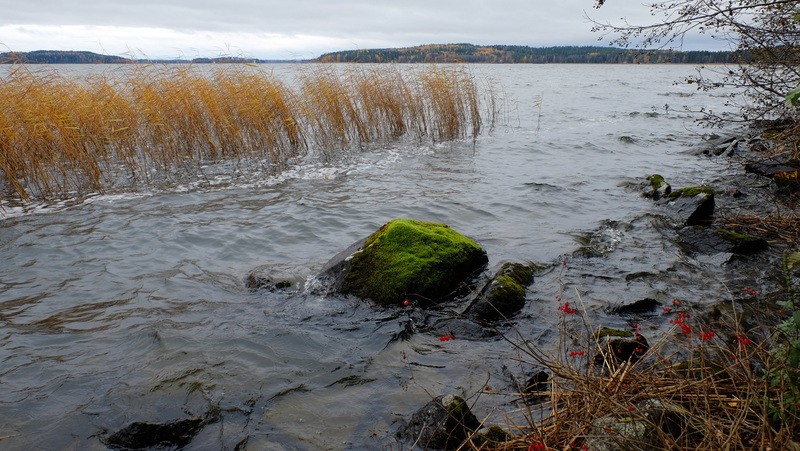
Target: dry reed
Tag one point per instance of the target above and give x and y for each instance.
(62, 135)
(690, 390)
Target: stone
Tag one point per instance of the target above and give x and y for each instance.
(657, 187)
(691, 206)
(277, 277)
(443, 423)
(140, 435)
(425, 262)
(622, 345)
(504, 295)
(705, 240)
(640, 307)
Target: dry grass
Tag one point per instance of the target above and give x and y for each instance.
(687, 392)
(778, 228)
(60, 135)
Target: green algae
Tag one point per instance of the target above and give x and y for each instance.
(611, 332)
(692, 191)
(407, 258)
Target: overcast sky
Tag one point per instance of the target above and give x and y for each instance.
(300, 29)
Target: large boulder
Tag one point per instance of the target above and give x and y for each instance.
(424, 262)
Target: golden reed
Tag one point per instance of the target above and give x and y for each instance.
(63, 134)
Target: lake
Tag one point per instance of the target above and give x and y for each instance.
(131, 306)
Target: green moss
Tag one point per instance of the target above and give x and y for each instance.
(692, 191)
(522, 274)
(412, 258)
(656, 181)
(736, 237)
(506, 287)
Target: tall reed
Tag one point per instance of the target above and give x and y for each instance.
(60, 135)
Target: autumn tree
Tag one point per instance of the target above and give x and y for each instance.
(765, 35)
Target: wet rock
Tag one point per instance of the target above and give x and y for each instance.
(426, 262)
(277, 277)
(178, 434)
(504, 295)
(657, 187)
(640, 307)
(620, 345)
(691, 206)
(443, 423)
(768, 168)
(706, 240)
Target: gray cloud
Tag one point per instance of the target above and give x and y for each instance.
(304, 28)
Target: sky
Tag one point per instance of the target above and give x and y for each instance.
(302, 29)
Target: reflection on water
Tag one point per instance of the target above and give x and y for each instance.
(132, 307)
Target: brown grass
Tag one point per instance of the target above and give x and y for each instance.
(60, 135)
(719, 390)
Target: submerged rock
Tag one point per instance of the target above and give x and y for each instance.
(640, 307)
(504, 295)
(706, 240)
(139, 435)
(277, 277)
(443, 423)
(407, 259)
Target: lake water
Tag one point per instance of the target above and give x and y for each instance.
(131, 306)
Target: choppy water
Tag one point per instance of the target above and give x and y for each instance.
(132, 307)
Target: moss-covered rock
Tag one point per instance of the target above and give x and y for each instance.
(658, 187)
(692, 205)
(692, 191)
(504, 295)
(425, 261)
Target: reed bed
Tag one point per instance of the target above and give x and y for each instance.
(64, 135)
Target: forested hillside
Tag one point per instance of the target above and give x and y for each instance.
(468, 53)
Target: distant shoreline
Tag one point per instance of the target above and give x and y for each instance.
(435, 53)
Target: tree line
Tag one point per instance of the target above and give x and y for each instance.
(508, 54)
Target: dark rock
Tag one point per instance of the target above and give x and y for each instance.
(426, 262)
(639, 307)
(178, 433)
(620, 345)
(443, 423)
(504, 295)
(706, 240)
(768, 168)
(691, 206)
(537, 384)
